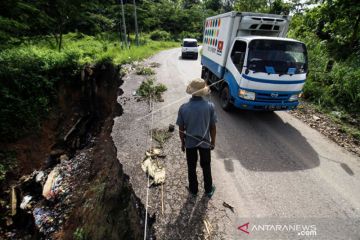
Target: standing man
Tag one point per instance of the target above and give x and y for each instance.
(196, 120)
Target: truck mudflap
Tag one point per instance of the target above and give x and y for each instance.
(263, 106)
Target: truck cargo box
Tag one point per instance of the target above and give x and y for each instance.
(220, 31)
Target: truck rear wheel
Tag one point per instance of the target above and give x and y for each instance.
(225, 99)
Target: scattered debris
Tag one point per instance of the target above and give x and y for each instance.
(228, 206)
(13, 201)
(316, 118)
(171, 127)
(154, 65)
(208, 227)
(39, 177)
(331, 125)
(155, 171)
(25, 202)
(44, 220)
(153, 152)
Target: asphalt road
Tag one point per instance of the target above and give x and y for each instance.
(271, 167)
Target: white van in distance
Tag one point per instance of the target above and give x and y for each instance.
(189, 48)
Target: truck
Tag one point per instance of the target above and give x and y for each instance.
(189, 48)
(248, 59)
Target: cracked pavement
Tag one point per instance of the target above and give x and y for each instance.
(268, 166)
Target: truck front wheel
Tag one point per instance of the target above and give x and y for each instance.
(225, 99)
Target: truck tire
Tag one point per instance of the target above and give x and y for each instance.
(203, 70)
(207, 77)
(196, 56)
(225, 99)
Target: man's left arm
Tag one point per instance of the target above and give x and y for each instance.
(213, 120)
(180, 123)
(182, 137)
(212, 136)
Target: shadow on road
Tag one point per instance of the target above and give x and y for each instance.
(187, 59)
(261, 141)
(189, 223)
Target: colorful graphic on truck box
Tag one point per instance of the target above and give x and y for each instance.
(212, 29)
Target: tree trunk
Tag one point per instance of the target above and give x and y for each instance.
(355, 32)
(60, 40)
(56, 39)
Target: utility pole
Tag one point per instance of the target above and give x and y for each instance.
(136, 26)
(124, 25)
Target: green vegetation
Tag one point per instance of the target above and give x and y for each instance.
(42, 42)
(144, 71)
(30, 73)
(335, 87)
(161, 135)
(7, 163)
(80, 234)
(149, 89)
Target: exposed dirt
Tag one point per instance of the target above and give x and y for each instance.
(93, 198)
(324, 124)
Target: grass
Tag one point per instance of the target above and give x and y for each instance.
(149, 89)
(161, 135)
(144, 71)
(30, 74)
(96, 49)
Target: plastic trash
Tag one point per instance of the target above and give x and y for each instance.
(39, 176)
(26, 200)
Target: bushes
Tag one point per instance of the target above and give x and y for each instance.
(196, 35)
(144, 71)
(148, 89)
(29, 75)
(28, 79)
(159, 35)
(338, 89)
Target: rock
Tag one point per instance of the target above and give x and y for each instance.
(9, 221)
(171, 128)
(316, 118)
(56, 153)
(64, 157)
(336, 114)
(48, 192)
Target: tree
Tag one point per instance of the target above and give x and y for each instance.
(251, 6)
(215, 5)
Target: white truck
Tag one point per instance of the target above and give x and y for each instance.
(189, 48)
(248, 59)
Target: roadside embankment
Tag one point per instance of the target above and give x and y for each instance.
(78, 191)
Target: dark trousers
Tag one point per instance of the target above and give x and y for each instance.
(205, 159)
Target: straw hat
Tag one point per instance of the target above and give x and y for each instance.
(198, 87)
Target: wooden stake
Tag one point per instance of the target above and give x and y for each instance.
(207, 228)
(162, 199)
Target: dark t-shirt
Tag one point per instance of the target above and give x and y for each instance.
(197, 116)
